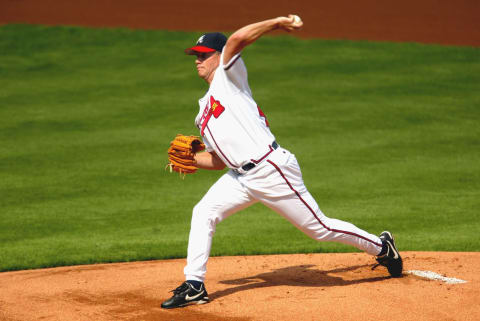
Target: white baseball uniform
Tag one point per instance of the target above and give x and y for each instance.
(233, 126)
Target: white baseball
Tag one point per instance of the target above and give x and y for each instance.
(296, 19)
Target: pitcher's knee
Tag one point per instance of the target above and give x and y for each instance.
(317, 227)
(204, 215)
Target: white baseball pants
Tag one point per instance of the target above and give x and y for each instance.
(276, 182)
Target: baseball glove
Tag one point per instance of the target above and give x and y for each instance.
(181, 154)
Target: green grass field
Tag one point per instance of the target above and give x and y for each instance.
(387, 134)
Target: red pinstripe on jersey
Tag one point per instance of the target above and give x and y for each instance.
(218, 147)
(264, 156)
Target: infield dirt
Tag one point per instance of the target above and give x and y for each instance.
(275, 287)
(428, 21)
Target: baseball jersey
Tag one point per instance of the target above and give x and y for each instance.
(230, 121)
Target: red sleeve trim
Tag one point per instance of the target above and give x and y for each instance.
(231, 63)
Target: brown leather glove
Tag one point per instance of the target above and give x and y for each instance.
(181, 154)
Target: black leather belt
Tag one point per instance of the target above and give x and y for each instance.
(251, 165)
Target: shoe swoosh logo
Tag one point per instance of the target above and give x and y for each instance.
(395, 253)
(190, 298)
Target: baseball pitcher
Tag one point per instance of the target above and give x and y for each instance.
(236, 134)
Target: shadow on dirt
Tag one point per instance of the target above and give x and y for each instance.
(299, 275)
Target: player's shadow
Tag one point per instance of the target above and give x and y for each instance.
(299, 275)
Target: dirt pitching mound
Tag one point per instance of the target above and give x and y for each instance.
(273, 287)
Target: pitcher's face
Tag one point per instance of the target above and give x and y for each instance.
(206, 63)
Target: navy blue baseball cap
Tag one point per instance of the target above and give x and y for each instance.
(209, 42)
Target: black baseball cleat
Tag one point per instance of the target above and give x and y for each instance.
(186, 294)
(391, 259)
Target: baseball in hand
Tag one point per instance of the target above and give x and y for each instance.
(296, 20)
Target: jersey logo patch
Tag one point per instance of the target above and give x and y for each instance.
(216, 109)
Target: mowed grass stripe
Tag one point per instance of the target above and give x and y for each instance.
(387, 136)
